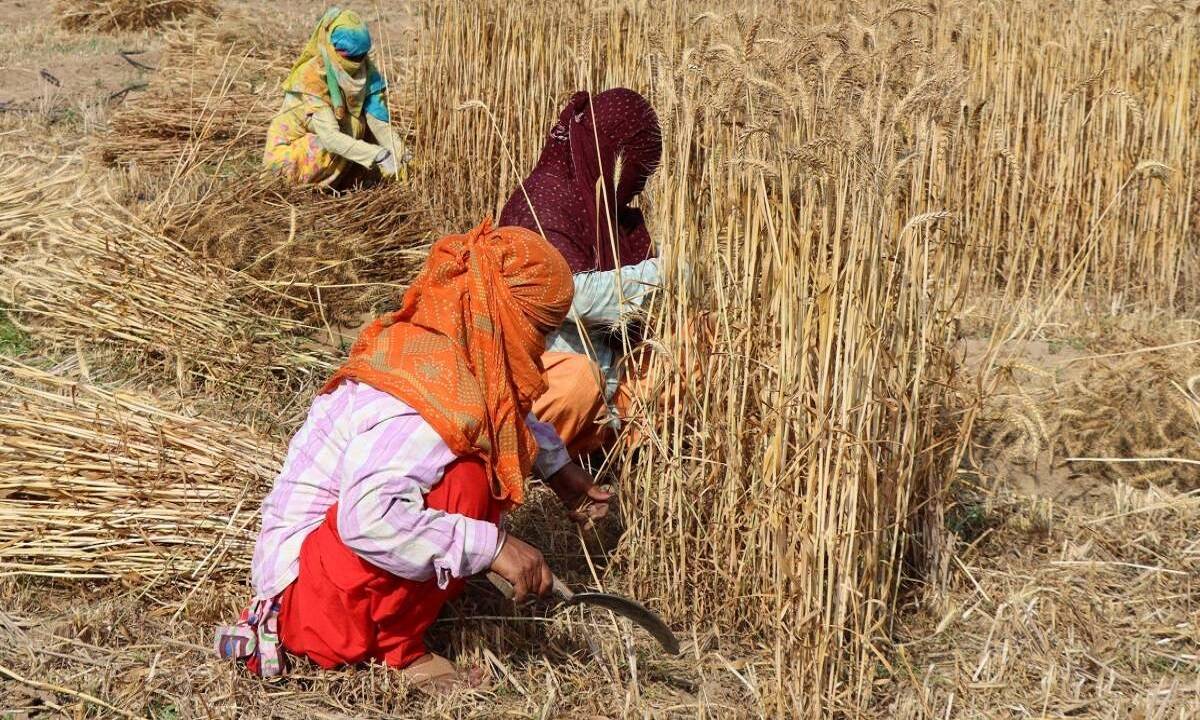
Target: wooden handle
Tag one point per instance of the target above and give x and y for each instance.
(561, 590)
(506, 589)
(504, 586)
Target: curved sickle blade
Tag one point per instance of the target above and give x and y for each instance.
(632, 610)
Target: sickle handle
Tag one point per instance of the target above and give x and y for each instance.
(561, 590)
(506, 589)
(504, 586)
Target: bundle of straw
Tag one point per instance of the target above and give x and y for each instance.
(210, 104)
(101, 483)
(110, 15)
(79, 274)
(319, 257)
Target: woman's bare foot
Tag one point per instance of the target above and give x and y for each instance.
(435, 675)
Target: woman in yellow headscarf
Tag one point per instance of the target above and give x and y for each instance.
(334, 110)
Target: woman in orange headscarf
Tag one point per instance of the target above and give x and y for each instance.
(393, 489)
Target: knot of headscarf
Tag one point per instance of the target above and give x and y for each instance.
(334, 67)
(465, 348)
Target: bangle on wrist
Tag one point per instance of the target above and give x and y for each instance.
(500, 544)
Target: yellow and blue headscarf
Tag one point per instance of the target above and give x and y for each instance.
(351, 42)
(350, 81)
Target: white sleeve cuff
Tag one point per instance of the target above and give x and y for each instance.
(552, 453)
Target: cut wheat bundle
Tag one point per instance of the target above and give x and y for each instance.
(104, 483)
(92, 277)
(110, 15)
(28, 199)
(319, 257)
(210, 104)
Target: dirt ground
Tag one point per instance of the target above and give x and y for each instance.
(74, 78)
(1070, 593)
(66, 80)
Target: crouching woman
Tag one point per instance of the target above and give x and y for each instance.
(578, 200)
(392, 490)
(334, 122)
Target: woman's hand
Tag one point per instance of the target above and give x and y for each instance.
(584, 500)
(386, 162)
(523, 566)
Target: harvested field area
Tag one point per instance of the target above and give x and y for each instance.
(1083, 610)
(208, 105)
(921, 429)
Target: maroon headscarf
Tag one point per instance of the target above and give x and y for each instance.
(591, 133)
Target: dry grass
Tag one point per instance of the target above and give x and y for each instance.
(1071, 592)
(102, 484)
(81, 276)
(1056, 612)
(1138, 407)
(1119, 389)
(842, 181)
(97, 644)
(111, 15)
(322, 258)
(208, 106)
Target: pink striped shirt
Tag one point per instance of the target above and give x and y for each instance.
(377, 458)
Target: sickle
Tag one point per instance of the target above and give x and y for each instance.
(623, 606)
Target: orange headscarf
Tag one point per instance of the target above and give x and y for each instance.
(465, 348)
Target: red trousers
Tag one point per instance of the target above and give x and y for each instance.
(342, 610)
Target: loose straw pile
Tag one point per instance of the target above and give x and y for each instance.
(99, 483)
(97, 279)
(1157, 440)
(109, 15)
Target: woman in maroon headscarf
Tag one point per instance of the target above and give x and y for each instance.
(575, 200)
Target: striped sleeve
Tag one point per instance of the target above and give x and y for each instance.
(386, 471)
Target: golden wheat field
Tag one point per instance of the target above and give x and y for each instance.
(942, 459)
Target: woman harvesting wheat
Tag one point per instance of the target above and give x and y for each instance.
(571, 198)
(393, 488)
(333, 101)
